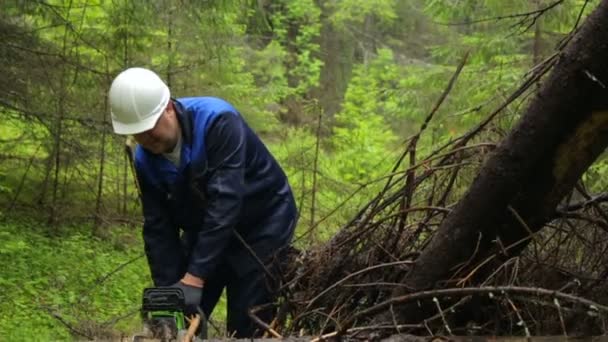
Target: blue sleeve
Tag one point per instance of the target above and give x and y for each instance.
(226, 146)
(161, 238)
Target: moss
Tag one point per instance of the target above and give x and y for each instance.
(580, 147)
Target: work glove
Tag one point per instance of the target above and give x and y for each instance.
(192, 297)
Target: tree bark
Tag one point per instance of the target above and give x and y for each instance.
(102, 163)
(561, 133)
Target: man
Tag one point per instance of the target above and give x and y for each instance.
(203, 171)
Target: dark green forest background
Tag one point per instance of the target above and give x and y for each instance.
(334, 87)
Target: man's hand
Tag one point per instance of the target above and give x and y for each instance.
(192, 296)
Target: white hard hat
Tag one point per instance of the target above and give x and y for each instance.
(137, 98)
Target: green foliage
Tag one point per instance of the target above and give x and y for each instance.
(297, 26)
(361, 136)
(595, 177)
(268, 68)
(63, 274)
(355, 12)
(212, 49)
(356, 155)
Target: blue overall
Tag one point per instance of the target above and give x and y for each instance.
(232, 203)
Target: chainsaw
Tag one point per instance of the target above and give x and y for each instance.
(164, 319)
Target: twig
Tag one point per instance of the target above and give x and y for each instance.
(114, 320)
(116, 270)
(582, 217)
(66, 324)
(493, 256)
(330, 317)
(317, 312)
(371, 327)
(262, 324)
(561, 317)
(394, 318)
(377, 284)
(535, 14)
(532, 291)
(445, 322)
(105, 277)
(411, 149)
(522, 222)
(22, 181)
(367, 269)
(194, 323)
(519, 317)
(580, 15)
(603, 197)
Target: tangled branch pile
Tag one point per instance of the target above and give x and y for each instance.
(353, 285)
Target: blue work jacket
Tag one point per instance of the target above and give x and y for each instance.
(229, 197)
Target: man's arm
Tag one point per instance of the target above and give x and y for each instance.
(161, 238)
(224, 189)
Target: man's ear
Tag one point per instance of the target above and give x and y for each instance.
(171, 109)
(170, 106)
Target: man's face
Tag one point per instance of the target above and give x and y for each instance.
(163, 136)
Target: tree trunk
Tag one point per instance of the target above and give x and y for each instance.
(126, 61)
(57, 125)
(338, 58)
(102, 163)
(562, 132)
(57, 132)
(537, 43)
(170, 10)
(315, 169)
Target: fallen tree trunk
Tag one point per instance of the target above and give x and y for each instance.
(563, 130)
